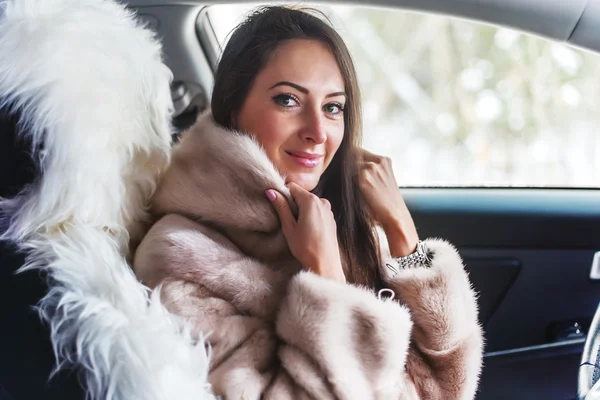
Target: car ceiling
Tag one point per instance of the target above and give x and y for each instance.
(572, 21)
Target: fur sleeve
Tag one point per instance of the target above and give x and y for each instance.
(445, 358)
(274, 336)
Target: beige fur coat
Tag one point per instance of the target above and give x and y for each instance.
(277, 332)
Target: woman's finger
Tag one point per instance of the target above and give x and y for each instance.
(282, 208)
(364, 165)
(367, 156)
(300, 196)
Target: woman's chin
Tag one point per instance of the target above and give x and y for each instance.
(306, 181)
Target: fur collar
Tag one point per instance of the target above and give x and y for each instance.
(219, 177)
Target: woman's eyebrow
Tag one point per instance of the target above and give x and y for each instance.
(335, 94)
(303, 89)
(295, 86)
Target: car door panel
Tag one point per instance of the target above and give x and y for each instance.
(537, 372)
(528, 253)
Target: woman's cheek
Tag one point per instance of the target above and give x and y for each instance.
(335, 141)
(267, 130)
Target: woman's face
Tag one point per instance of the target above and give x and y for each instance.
(295, 109)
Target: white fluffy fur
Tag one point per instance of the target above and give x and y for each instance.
(95, 100)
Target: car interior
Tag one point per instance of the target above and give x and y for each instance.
(530, 252)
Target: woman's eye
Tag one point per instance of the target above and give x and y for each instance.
(334, 108)
(286, 100)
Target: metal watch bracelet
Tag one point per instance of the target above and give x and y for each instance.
(418, 258)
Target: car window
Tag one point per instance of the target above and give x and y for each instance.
(458, 103)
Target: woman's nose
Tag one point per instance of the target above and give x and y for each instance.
(314, 127)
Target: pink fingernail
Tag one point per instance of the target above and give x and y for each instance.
(271, 194)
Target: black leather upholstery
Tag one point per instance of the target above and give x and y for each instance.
(26, 356)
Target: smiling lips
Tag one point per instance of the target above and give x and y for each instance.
(308, 160)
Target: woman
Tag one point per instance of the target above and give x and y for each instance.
(266, 240)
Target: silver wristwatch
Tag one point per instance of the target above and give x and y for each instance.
(418, 258)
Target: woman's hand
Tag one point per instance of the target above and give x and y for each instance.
(380, 191)
(312, 237)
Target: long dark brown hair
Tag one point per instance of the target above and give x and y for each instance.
(248, 50)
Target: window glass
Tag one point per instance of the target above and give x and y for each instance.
(459, 103)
